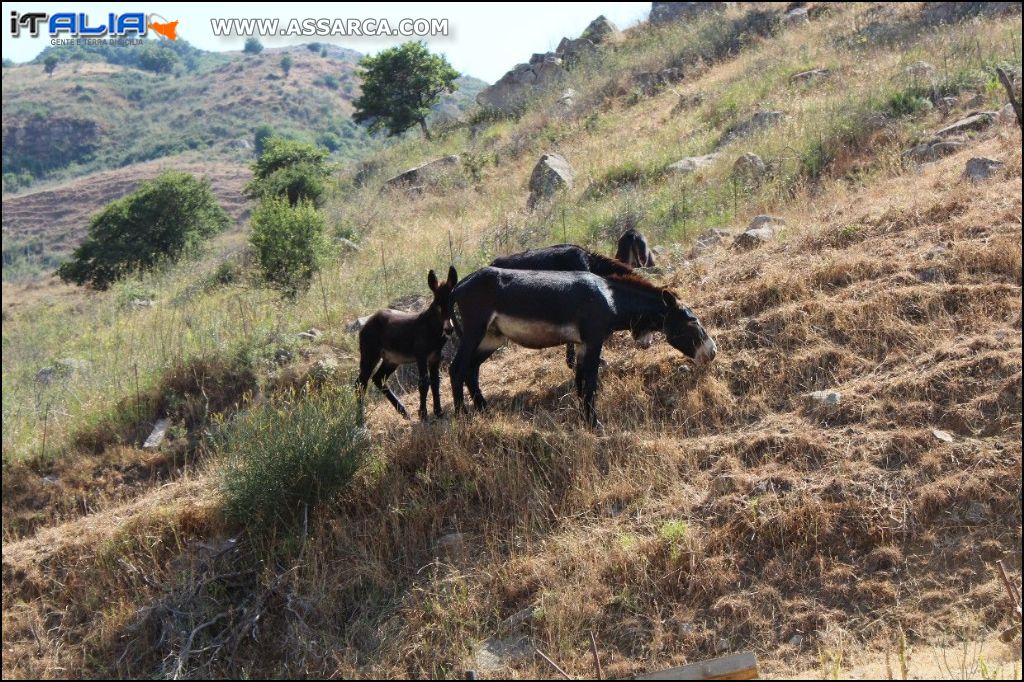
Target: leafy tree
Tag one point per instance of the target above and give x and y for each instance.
(260, 136)
(164, 219)
(253, 46)
(313, 47)
(286, 64)
(289, 242)
(8, 62)
(400, 85)
(157, 59)
(50, 64)
(290, 169)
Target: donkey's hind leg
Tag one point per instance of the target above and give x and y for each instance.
(473, 333)
(380, 380)
(570, 355)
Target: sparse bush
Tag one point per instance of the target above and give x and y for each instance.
(253, 46)
(164, 219)
(289, 168)
(908, 103)
(50, 64)
(628, 174)
(289, 242)
(157, 59)
(286, 64)
(330, 82)
(284, 457)
(260, 136)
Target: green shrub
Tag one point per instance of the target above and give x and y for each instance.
(908, 103)
(289, 168)
(157, 59)
(289, 242)
(163, 220)
(253, 46)
(284, 457)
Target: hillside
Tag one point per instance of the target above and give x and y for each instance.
(116, 123)
(849, 532)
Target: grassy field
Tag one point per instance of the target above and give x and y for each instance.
(723, 511)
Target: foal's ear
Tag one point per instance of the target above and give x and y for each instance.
(669, 299)
(432, 281)
(453, 277)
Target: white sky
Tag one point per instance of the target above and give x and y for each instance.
(485, 39)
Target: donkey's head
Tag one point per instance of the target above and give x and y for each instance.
(685, 333)
(443, 296)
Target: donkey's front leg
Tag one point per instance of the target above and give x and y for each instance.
(435, 385)
(421, 365)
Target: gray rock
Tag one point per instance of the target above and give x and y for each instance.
(565, 103)
(142, 303)
(451, 546)
(1006, 115)
(770, 221)
(932, 150)
(811, 75)
(513, 90)
(50, 479)
(749, 166)
(574, 50)
(944, 436)
(981, 168)
(972, 123)
(602, 30)
(707, 240)
(664, 12)
(495, 654)
(311, 334)
(239, 143)
(422, 174)
(692, 164)
(411, 303)
(754, 238)
(652, 82)
(977, 512)
(348, 244)
(156, 436)
(519, 617)
(723, 645)
(823, 399)
(687, 102)
(797, 639)
(355, 325)
(796, 16)
(759, 121)
(551, 174)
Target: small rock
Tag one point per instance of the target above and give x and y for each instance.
(981, 168)
(795, 16)
(50, 479)
(931, 275)
(348, 244)
(944, 436)
(519, 617)
(723, 645)
(686, 629)
(602, 30)
(947, 104)
(156, 437)
(451, 545)
(692, 164)
(551, 175)
(355, 325)
(749, 166)
(823, 398)
(311, 334)
(665, 12)
(977, 512)
(73, 365)
(811, 75)
(565, 103)
(751, 239)
(324, 368)
(766, 221)
(972, 123)
(142, 303)
(1006, 115)
(761, 119)
(495, 654)
(796, 640)
(707, 240)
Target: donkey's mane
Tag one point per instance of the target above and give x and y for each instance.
(633, 279)
(608, 267)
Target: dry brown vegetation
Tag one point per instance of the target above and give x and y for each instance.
(723, 510)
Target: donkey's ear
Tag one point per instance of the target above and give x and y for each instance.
(432, 281)
(453, 277)
(669, 299)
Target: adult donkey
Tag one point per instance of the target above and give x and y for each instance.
(392, 338)
(540, 309)
(564, 258)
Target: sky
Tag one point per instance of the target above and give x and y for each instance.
(484, 39)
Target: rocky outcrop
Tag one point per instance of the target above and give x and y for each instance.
(551, 174)
(692, 164)
(423, 174)
(652, 82)
(981, 168)
(762, 229)
(511, 93)
(932, 150)
(750, 167)
(601, 30)
(665, 12)
(969, 124)
(810, 76)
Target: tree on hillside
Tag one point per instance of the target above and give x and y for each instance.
(290, 169)
(50, 64)
(260, 136)
(162, 220)
(400, 85)
(253, 46)
(286, 64)
(153, 57)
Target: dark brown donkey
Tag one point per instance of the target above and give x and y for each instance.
(394, 338)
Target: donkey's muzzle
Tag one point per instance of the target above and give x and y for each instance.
(707, 352)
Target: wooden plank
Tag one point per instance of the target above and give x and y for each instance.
(741, 666)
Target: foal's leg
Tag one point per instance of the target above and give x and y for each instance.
(380, 379)
(421, 365)
(435, 385)
(367, 361)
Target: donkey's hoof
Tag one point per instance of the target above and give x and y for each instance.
(424, 416)
(439, 414)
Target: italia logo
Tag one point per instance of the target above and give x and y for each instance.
(79, 25)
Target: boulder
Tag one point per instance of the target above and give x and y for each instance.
(551, 174)
(602, 30)
(355, 325)
(512, 91)
(932, 150)
(652, 82)
(810, 76)
(573, 51)
(971, 123)
(423, 174)
(749, 166)
(707, 240)
(665, 12)
(1006, 115)
(692, 164)
(761, 119)
(981, 168)
(796, 16)
(762, 229)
